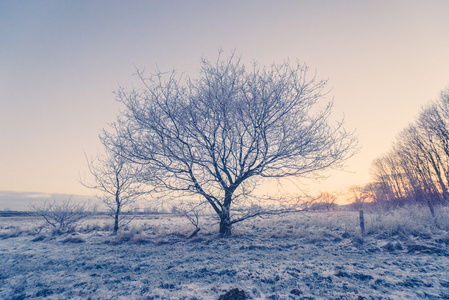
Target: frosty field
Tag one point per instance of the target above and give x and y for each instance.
(297, 256)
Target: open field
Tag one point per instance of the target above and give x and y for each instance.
(298, 256)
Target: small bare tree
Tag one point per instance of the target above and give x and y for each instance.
(190, 211)
(216, 136)
(115, 180)
(61, 215)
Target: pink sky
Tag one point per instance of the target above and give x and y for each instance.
(61, 60)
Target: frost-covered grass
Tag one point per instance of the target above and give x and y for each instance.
(298, 256)
(414, 220)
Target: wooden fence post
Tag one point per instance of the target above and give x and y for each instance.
(362, 223)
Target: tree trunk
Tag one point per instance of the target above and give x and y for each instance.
(225, 217)
(225, 227)
(117, 213)
(116, 222)
(194, 233)
(225, 222)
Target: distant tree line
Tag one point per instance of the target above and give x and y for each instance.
(416, 169)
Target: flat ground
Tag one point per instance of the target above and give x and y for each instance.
(303, 256)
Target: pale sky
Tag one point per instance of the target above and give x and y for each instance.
(60, 62)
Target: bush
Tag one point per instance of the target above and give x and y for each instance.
(61, 216)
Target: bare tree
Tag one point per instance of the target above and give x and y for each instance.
(416, 169)
(115, 178)
(434, 130)
(360, 195)
(324, 201)
(216, 136)
(190, 211)
(62, 216)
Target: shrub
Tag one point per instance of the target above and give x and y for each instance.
(61, 216)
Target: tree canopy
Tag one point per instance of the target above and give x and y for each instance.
(217, 134)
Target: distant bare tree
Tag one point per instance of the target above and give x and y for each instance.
(61, 215)
(324, 201)
(216, 136)
(375, 191)
(359, 195)
(115, 180)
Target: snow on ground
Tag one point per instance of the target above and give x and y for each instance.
(298, 256)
